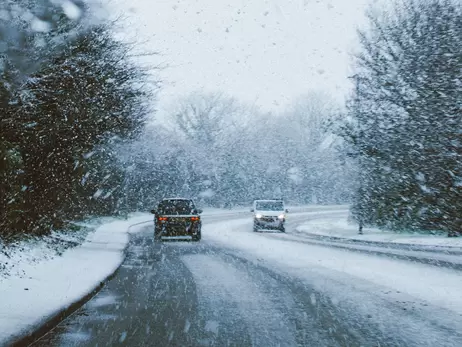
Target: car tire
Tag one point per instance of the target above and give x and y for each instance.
(282, 229)
(196, 238)
(255, 227)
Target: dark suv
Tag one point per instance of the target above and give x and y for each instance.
(177, 219)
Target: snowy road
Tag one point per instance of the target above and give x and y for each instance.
(239, 288)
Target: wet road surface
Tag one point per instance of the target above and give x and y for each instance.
(199, 294)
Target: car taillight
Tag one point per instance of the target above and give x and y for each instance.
(162, 219)
(195, 218)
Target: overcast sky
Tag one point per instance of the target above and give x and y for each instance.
(266, 52)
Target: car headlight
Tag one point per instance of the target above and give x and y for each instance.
(258, 215)
(281, 216)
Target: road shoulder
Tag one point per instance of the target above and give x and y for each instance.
(52, 289)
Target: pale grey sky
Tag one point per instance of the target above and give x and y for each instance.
(265, 52)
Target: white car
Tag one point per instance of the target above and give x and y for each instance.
(269, 214)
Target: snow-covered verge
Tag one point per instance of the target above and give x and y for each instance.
(41, 284)
(37, 249)
(337, 225)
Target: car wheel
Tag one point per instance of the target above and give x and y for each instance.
(196, 238)
(283, 229)
(255, 227)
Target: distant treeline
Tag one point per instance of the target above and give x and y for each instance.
(223, 153)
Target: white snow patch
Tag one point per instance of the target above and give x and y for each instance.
(104, 300)
(88, 155)
(31, 125)
(327, 143)
(98, 193)
(208, 193)
(40, 26)
(425, 189)
(84, 178)
(71, 10)
(338, 226)
(53, 283)
(108, 194)
(420, 177)
(296, 175)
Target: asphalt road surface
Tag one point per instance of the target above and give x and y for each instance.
(201, 294)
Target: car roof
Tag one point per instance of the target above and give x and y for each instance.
(176, 199)
(270, 200)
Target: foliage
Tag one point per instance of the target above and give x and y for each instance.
(223, 153)
(405, 117)
(60, 128)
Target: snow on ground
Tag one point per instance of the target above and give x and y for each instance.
(337, 225)
(41, 283)
(37, 249)
(39, 289)
(437, 287)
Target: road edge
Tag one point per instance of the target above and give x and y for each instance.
(52, 321)
(398, 245)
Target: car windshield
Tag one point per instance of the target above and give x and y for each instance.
(269, 205)
(168, 207)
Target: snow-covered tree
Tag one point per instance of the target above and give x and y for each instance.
(205, 118)
(246, 155)
(65, 122)
(308, 151)
(31, 31)
(209, 125)
(405, 116)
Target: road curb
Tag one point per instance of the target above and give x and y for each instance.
(56, 319)
(53, 321)
(384, 249)
(418, 247)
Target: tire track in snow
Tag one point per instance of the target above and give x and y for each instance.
(227, 293)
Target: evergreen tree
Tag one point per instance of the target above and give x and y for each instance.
(405, 116)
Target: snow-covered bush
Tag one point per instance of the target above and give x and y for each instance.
(61, 124)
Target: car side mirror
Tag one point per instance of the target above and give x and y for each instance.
(252, 210)
(287, 211)
(199, 211)
(153, 211)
